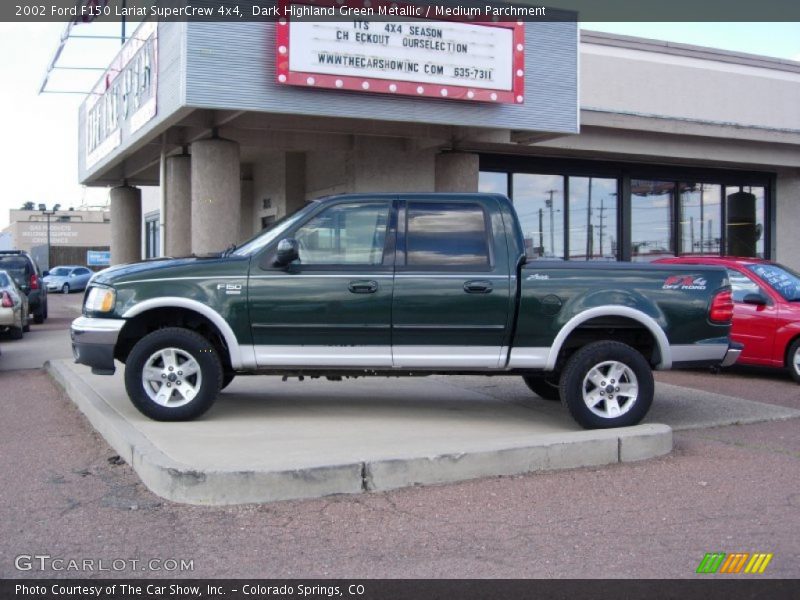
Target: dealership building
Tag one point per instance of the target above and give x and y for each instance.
(610, 147)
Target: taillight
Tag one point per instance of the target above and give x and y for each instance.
(7, 301)
(721, 310)
(34, 282)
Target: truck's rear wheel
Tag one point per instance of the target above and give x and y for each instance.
(546, 388)
(173, 374)
(607, 384)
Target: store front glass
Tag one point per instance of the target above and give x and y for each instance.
(493, 183)
(744, 227)
(539, 200)
(652, 205)
(615, 212)
(701, 218)
(592, 218)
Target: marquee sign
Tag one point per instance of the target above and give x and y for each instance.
(454, 59)
(125, 97)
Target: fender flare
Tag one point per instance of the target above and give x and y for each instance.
(238, 358)
(612, 311)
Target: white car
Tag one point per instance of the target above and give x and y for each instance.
(13, 307)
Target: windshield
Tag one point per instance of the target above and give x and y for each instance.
(4, 282)
(784, 281)
(60, 272)
(268, 235)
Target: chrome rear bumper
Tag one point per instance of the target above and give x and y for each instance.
(732, 355)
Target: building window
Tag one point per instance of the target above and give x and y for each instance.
(631, 211)
(652, 210)
(592, 218)
(151, 236)
(539, 201)
(493, 183)
(744, 221)
(701, 218)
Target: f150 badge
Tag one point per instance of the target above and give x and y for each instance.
(231, 289)
(684, 282)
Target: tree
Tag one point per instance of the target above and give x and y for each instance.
(27, 206)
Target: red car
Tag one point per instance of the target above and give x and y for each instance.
(766, 314)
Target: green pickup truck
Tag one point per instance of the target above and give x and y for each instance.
(399, 285)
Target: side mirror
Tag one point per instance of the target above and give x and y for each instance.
(755, 300)
(286, 252)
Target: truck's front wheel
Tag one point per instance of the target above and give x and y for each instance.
(607, 384)
(173, 374)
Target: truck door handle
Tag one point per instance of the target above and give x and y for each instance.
(478, 287)
(363, 286)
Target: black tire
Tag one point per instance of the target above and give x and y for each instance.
(39, 316)
(204, 386)
(26, 324)
(576, 382)
(16, 333)
(792, 360)
(65, 288)
(546, 388)
(44, 312)
(227, 377)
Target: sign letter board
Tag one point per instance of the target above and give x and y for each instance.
(452, 59)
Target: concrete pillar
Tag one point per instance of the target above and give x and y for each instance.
(216, 195)
(248, 215)
(178, 217)
(787, 218)
(457, 172)
(126, 225)
(295, 181)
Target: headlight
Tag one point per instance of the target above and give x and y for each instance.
(100, 299)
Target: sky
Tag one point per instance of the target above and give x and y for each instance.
(39, 157)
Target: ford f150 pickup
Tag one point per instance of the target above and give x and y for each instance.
(402, 284)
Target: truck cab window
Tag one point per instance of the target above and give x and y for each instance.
(446, 234)
(345, 234)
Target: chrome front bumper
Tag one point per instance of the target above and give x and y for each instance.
(93, 343)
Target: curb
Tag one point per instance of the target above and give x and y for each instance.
(184, 483)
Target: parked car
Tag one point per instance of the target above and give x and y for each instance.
(67, 278)
(23, 268)
(766, 312)
(409, 284)
(13, 307)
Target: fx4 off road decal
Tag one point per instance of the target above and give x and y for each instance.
(684, 282)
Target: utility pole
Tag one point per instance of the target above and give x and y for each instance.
(589, 230)
(541, 233)
(549, 204)
(602, 216)
(702, 222)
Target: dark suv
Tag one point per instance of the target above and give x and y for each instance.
(23, 268)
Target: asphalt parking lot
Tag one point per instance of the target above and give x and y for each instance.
(730, 489)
